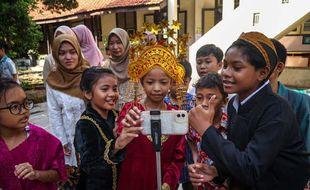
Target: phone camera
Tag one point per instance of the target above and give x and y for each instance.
(183, 115)
(178, 115)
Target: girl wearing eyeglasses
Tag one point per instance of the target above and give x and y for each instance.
(30, 157)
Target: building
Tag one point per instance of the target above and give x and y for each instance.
(207, 21)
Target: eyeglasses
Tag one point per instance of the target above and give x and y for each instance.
(16, 109)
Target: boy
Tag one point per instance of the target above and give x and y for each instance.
(208, 59)
(172, 97)
(7, 66)
(299, 102)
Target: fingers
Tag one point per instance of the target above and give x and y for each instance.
(132, 118)
(212, 103)
(134, 130)
(24, 170)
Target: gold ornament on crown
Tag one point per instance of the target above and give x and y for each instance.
(157, 46)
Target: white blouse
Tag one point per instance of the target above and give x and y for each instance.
(64, 111)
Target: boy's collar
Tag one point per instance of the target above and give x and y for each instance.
(237, 103)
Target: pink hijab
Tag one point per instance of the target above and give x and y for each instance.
(88, 45)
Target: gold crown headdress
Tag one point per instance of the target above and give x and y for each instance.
(147, 51)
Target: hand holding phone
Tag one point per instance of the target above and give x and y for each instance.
(173, 122)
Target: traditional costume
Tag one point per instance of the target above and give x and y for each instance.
(94, 141)
(138, 170)
(265, 149)
(42, 150)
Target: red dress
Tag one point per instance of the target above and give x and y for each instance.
(138, 170)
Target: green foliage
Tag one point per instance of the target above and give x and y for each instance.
(18, 30)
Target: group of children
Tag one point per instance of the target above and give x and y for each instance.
(258, 146)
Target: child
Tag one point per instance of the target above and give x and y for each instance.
(7, 66)
(299, 102)
(264, 149)
(100, 152)
(30, 157)
(208, 59)
(173, 97)
(156, 67)
(207, 86)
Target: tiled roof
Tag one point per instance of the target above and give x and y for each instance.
(89, 6)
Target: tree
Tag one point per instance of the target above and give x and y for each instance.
(18, 30)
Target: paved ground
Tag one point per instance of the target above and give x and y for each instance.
(39, 115)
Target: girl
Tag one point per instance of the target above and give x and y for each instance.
(64, 97)
(90, 50)
(99, 150)
(264, 149)
(118, 46)
(30, 157)
(156, 67)
(49, 62)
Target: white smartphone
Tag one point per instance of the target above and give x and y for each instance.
(173, 122)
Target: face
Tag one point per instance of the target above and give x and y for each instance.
(206, 64)
(116, 46)
(203, 96)
(68, 56)
(239, 76)
(156, 84)
(15, 95)
(104, 94)
(184, 86)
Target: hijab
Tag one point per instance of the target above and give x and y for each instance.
(88, 45)
(119, 65)
(63, 30)
(64, 80)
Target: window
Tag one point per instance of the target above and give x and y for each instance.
(127, 21)
(149, 18)
(255, 18)
(182, 16)
(306, 27)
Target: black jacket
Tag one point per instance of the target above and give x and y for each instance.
(264, 150)
(94, 142)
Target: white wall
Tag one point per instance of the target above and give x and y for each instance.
(276, 19)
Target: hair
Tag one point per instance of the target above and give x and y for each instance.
(209, 49)
(188, 68)
(6, 84)
(91, 75)
(281, 50)
(254, 56)
(211, 80)
(3, 45)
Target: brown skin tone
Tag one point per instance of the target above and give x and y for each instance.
(239, 76)
(275, 76)
(13, 133)
(207, 64)
(103, 98)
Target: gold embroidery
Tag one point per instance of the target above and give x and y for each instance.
(107, 149)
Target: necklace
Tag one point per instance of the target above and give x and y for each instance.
(163, 106)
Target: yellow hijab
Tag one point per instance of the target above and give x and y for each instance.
(64, 80)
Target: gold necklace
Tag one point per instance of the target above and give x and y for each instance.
(163, 106)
